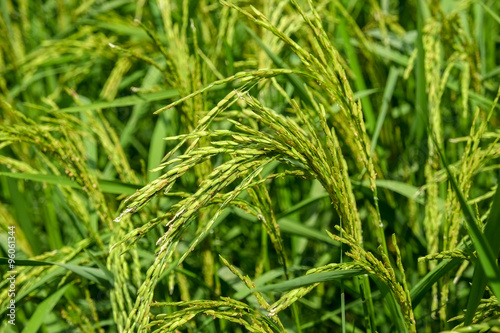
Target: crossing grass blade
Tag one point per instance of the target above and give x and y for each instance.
(308, 280)
(394, 309)
(123, 101)
(158, 145)
(409, 191)
(421, 97)
(142, 141)
(358, 76)
(93, 274)
(40, 315)
(107, 186)
(485, 254)
(386, 98)
(298, 229)
(420, 290)
(479, 279)
(294, 79)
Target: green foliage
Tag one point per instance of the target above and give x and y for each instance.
(286, 166)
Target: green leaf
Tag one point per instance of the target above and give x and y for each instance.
(479, 280)
(295, 228)
(107, 186)
(152, 77)
(389, 89)
(302, 204)
(423, 286)
(294, 79)
(489, 11)
(102, 267)
(359, 80)
(158, 145)
(394, 309)
(421, 103)
(485, 254)
(407, 190)
(266, 277)
(307, 280)
(22, 212)
(43, 309)
(124, 101)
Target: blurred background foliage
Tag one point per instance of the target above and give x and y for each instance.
(80, 82)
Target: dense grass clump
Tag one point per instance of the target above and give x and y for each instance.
(281, 166)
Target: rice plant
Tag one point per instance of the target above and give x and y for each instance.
(278, 166)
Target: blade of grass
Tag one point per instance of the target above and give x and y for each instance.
(90, 273)
(22, 210)
(368, 308)
(479, 281)
(101, 266)
(489, 10)
(51, 222)
(107, 186)
(302, 204)
(43, 281)
(389, 89)
(123, 101)
(43, 309)
(479, 99)
(358, 75)
(307, 280)
(295, 228)
(421, 103)
(423, 286)
(406, 190)
(158, 145)
(152, 77)
(485, 254)
(294, 79)
(394, 309)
